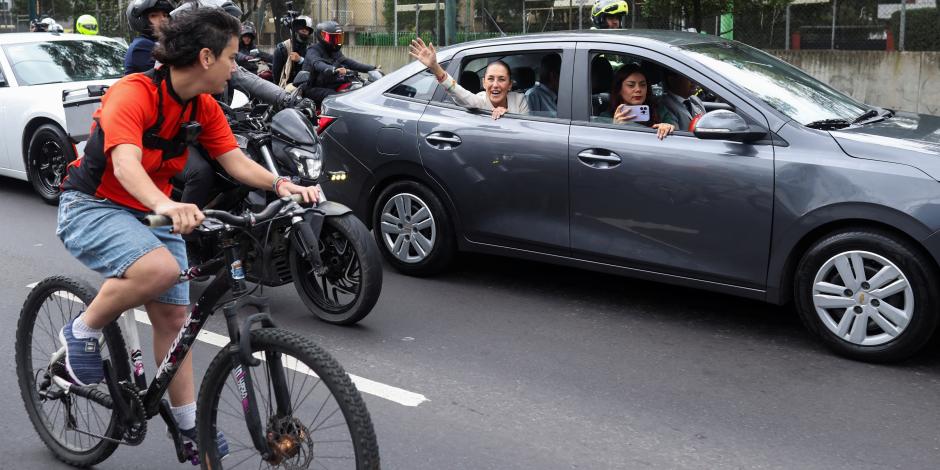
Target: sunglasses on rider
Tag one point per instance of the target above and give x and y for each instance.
(333, 39)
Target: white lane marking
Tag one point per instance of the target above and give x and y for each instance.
(388, 392)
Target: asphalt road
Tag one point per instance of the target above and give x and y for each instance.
(530, 366)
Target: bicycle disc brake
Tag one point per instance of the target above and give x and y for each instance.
(288, 438)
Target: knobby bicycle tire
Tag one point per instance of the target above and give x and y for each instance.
(341, 388)
(27, 380)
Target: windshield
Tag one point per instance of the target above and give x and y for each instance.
(37, 63)
(780, 85)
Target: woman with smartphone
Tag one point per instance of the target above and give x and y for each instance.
(630, 102)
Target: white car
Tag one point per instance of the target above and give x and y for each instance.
(35, 68)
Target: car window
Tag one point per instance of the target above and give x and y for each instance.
(670, 97)
(419, 86)
(533, 74)
(38, 63)
(779, 84)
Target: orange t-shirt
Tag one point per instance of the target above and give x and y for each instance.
(128, 109)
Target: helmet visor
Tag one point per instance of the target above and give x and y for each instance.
(333, 39)
(90, 27)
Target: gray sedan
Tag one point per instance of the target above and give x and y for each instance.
(783, 189)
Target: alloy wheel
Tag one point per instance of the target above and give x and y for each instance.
(863, 298)
(408, 228)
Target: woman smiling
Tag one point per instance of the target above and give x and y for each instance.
(497, 84)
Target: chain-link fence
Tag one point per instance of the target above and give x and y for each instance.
(767, 24)
(14, 14)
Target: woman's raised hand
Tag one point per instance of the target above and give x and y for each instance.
(426, 54)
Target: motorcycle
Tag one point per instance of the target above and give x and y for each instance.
(332, 260)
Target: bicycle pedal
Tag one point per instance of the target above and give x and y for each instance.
(191, 453)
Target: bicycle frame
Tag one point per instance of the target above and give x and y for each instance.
(230, 276)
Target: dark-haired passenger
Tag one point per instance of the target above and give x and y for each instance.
(139, 141)
(497, 83)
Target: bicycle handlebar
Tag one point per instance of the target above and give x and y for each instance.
(155, 220)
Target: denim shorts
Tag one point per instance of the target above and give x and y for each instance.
(108, 238)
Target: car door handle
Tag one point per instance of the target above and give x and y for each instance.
(443, 140)
(597, 158)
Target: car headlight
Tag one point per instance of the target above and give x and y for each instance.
(309, 164)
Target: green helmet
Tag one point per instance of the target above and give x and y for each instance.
(604, 8)
(86, 24)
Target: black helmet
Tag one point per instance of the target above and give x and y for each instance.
(330, 34)
(248, 28)
(604, 8)
(302, 21)
(226, 5)
(137, 11)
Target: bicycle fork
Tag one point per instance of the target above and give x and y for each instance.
(263, 437)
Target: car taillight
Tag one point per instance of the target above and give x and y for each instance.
(323, 122)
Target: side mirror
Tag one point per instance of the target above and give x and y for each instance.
(726, 125)
(301, 79)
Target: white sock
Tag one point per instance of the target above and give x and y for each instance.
(185, 416)
(82, 331)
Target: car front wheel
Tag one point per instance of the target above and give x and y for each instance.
(47, 157)
(868, 295)
(412, 229)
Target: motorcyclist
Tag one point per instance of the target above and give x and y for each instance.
(289, 55)
(609, 14)
(248, 52)
(86, 24)
(145, 17)
(198, 175)
(328, 66)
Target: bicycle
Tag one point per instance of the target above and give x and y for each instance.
(95, 419)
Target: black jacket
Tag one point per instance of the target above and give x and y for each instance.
(244, 57)
(322, 65)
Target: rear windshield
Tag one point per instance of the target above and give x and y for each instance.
(38, 63)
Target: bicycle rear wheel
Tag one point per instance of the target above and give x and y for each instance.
(329, 426)
(50, 304)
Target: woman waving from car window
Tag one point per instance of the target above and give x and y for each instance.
(497, 83)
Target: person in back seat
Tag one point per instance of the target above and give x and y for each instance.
(497, 83)
(543, 97)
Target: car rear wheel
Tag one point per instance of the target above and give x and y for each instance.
(47, 156)
(412, 229)
(868, 295)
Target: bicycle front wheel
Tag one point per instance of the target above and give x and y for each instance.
(328, 426)
(78, 431)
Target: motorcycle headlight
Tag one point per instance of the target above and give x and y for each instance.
(308, 163)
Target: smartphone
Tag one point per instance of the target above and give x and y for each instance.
(642, 112)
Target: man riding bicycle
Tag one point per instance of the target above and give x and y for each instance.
(139, 141)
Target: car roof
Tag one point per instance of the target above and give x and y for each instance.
(20, 38)
(626, 36)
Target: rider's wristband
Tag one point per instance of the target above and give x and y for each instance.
(277, 182)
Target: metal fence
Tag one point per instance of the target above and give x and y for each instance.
(767, 24)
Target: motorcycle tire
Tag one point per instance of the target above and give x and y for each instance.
(350, 286)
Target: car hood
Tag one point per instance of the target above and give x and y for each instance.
(911, 139)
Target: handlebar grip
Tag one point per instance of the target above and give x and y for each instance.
(154, 220)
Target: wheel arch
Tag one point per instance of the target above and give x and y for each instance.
(792, 246)
(30, 129)
(407, 171)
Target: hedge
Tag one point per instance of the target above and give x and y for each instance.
(922, 29)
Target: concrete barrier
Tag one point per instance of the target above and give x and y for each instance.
(908, 81)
